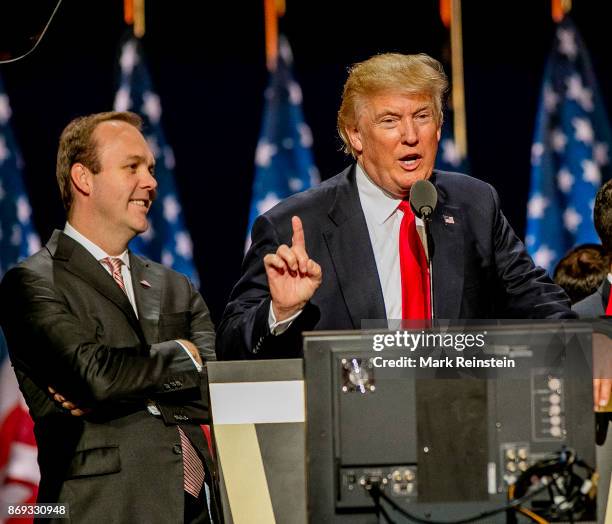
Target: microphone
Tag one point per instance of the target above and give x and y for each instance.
(423, 198)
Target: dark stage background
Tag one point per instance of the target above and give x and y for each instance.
(208, 66)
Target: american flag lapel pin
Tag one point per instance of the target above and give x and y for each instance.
(448, 219)
(144, 283)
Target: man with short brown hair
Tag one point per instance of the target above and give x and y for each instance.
(118, 340)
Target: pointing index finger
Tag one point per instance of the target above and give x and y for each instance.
(297, 240)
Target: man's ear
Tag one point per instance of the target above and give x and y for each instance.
(354, 137)
(81, 178)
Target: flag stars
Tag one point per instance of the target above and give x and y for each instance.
(171, 208)
(583, 131)
(565, 180)
(551, 98)
(581, 94)
(33, 243)
(571, 219)
(129, 57)
(544, 256)
(537, 150)
(536, 206)
(558, 140)
(267, 203)
(567, 43)
(295, 93)
(166, 258)
(151, 106)
(305, 134)
(451, 155)
(295, 184)
(264, 153)
(23, 210)
(122, 99)
(591, 172)
(184, 246)
(5, 109)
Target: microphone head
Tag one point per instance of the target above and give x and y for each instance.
(423, 198)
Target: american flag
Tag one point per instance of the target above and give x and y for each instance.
(19, 473)
(283, 160)
(167, 240)
(570, 153)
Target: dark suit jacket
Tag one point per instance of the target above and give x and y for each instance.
(480, 267)
(594, 305)
(69, 325)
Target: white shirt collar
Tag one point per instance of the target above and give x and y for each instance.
(377, 204)
(610, 278)
(96, 251)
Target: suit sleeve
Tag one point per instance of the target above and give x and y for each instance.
(244, 332)
(48, 343)
(527, 291)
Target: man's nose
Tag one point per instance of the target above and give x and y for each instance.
(410, 134)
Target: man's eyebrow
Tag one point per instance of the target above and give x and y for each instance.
(138, 158)
(386, 112)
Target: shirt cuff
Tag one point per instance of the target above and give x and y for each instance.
(195, 362)
(278, 328)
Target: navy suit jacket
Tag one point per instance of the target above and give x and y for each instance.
(480, 267)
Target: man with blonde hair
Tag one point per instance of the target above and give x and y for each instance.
(348, 250)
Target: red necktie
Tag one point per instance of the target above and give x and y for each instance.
(414, 269)
(193, 469)
(609, 308)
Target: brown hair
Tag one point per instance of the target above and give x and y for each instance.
(411, 74)
(76, 144)
(582, 270)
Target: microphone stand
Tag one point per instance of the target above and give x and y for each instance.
(430, 252)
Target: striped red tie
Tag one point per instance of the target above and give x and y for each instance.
(193, 469)
(114, 264)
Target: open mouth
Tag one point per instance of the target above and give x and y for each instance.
(410, 161)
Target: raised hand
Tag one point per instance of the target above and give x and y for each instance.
(293, 277)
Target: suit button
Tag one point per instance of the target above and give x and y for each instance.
(177, 450)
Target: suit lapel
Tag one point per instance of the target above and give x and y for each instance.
(447, 231)
(605, 294)
(146, 281)
(351, 252)
(78, 261)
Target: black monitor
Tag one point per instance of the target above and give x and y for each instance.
(447, 441)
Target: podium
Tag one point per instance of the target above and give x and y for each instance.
(258, 415)
(449, 444)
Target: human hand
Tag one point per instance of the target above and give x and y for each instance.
(191, 347)
(602, 390)
(293, 277)
(67, 404)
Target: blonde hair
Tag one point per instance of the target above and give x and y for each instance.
(411, 74)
